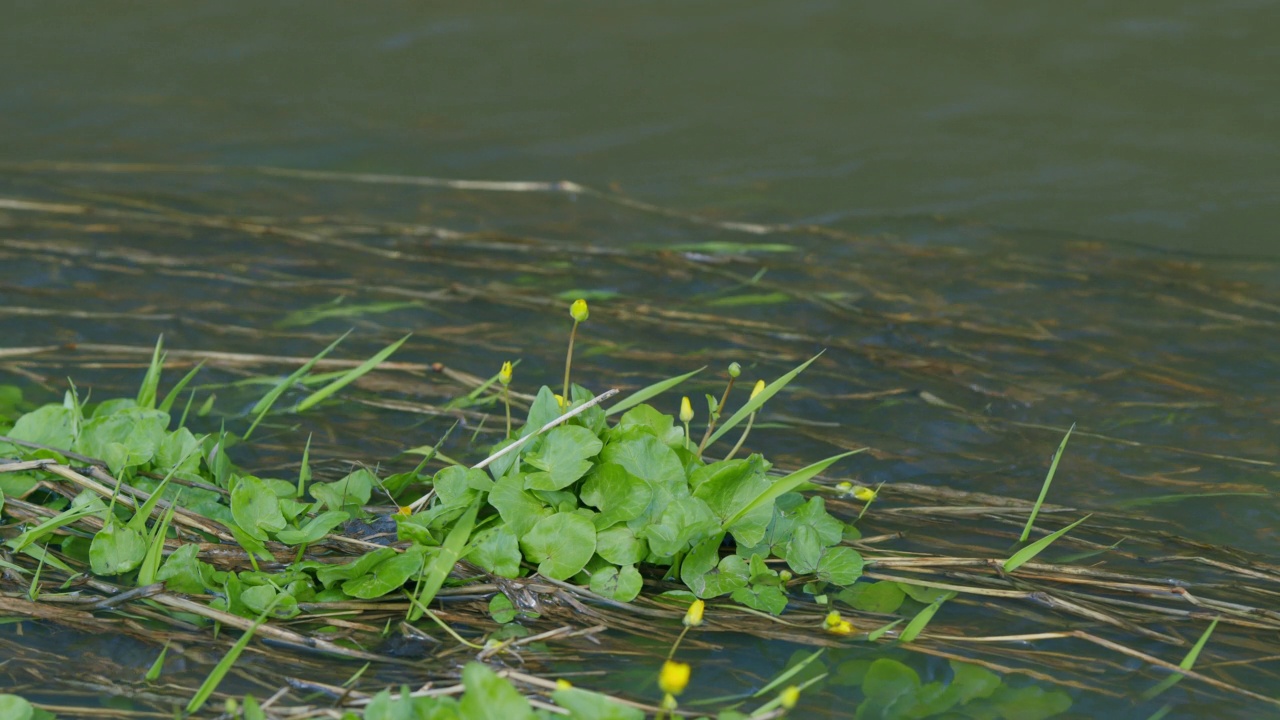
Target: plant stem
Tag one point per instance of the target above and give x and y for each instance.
(750, 419)
(711, 424)
(506, 399)
(568, 361)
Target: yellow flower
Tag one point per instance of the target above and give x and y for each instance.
(674, 677)
(693, 616)
(789, 697)
(837, 625)
(504, 375)
(578, 311)
(865, 494)
(563, 684)
(560, 402)
(759, 388)
(686, 409)
(844, 488)
(405, 510)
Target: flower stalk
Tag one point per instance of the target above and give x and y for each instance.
(579, 312)
(734, 371)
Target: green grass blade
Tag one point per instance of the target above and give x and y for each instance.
(450, 553)
(788, 674)
(1044, 489)
(263, 406)
(1035, 548)
(151, 381)
(785, 485)
(352, 375)
(880, 631)
(224, 665)
(155, 548)
(153, 673)
(922, 618)
(167, 404)
(643, 394)
(1187, 663)
(755, 403)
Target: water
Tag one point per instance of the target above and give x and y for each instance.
(1044, 215)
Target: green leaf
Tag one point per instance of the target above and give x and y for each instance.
(647, 458)
(918, 623)
(263, 406)
(620, 546)
(443, 562)
(886, 682)
(388, 575)
(151, 381)
(489, 697)
(840, 566)
(759, 400)
(562, 457)
(125, 438)
(684, 520)
(970, 682)
(51, 425)
(767, 598)
(315, 529)
(653, 390)
(772, 298)
(587, 705)
(351, 376)
(1044, 489)
(519, 509)
(16, 708)
(183, 572)
(622, 584)
(256, 508)
(1029, 552)
(1024, 703)
(645, 420)
(224, 666)
(501, 609)
(268, 601)
(354, 489)
(1187, 663)
(497, 551)
(803, 550)
(787, 484)
(561, 545)
(729, 487)
(707, 574)
(459, 485)
(330, 574)
(116, 549)
(877, 597)
(619, 495)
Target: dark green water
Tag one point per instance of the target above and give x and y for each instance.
(1049, 214)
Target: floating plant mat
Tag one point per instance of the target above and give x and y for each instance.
(577, 536)
(958, 367)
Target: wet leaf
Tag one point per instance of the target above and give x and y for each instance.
(587, 705)
(618, 494)
(620, 546)
(561, 545)
(622, 584)
(562, 457)
(489, 697)
(728, 488)
(315, 529)
(877, 597)
(840, 566)
(497, 551)
(707, 574)
(685, 520)
(256, 508)
(354, 489)
(766, 598)
(519, 509)
(116, 549)
(388, 575)
(50, 425)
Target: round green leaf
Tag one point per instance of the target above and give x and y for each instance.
(561, 545)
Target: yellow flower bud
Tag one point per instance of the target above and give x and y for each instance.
(693, 616)
(844, 488)
(563, 684)
(785, 575)
(865, 494)
(759, 388)
(504, 375)
(668, 702)
(674, 677)
(734, 370)
(578, 311)
(686, 409)
(837, 625)
(560, 402)
(789, 697)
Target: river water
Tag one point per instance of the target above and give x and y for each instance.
(999, 219)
